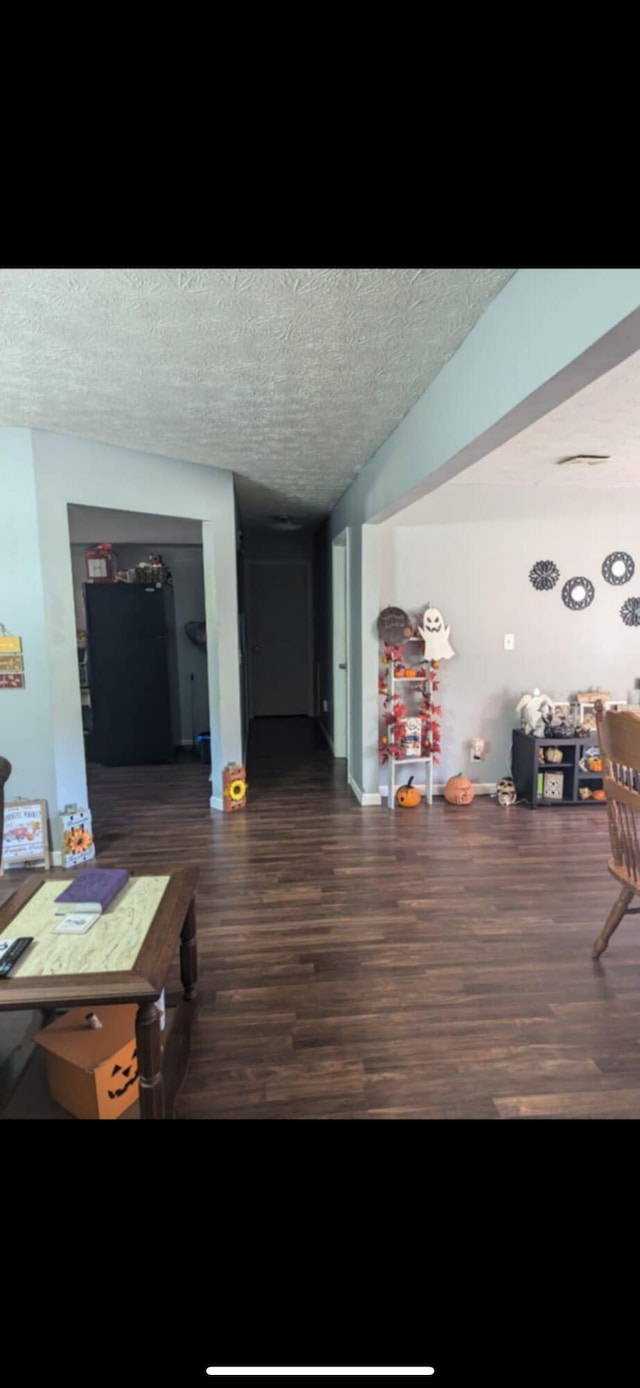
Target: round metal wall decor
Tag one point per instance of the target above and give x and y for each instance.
(618, 567)
(578, 593)
(630, 612)
(391, 624)
(544, 575)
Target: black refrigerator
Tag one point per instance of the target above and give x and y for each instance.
(132, 673)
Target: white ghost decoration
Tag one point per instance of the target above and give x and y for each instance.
(435, 635)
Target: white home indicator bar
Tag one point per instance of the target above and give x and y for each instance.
(272, 1373)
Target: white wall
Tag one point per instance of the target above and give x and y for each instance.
(86, 525)
(477, 573)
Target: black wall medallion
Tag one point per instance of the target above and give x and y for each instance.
(618, 567)
(544, 575)
(630, 612)
(578, 593)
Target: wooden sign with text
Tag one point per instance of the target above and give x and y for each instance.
(11, 663)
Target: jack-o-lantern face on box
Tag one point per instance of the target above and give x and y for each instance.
(124, 1076)
(116, 1081)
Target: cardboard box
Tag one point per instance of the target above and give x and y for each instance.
(92, 1073)
(77, 836)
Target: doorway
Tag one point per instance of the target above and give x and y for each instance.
(280, 638)
(142, 659)
(341, 644)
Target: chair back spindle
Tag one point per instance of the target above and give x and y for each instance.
(619, 740)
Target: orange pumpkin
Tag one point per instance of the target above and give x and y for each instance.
(599, 794)
(458, 790)
(594, 763)
(408, 795)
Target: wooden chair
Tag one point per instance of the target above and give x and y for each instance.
(619, 738)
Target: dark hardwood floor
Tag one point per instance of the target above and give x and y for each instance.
(431, 963)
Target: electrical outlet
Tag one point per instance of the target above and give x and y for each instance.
(477, 749)
(509, 643)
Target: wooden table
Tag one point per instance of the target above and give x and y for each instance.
(125, 957)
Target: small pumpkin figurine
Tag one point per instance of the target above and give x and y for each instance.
(594, 763)
(459, 790)
(408, 795)
(599, 794)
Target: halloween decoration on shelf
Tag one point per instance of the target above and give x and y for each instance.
(554, 754)
(408, 685)
(535, 711)
(506, 791)
(392, 623)
(584, 793)
(630, 612)
(101, 563)
(412, 737)
(544, 575)
(618, 567)
(234, 787)
(408, 795)
(152, 571)
(594, 764)
(578, 593)
(599, 794)
(459, 790)
(553, 785)
(435, 635)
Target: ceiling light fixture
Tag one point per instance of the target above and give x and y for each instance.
(589, 459)
(284, 523)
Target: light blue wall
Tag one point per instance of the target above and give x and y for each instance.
(24, 713)
(545, 336)
(52, 470)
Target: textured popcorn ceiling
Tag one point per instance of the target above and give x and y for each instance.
(291, 378)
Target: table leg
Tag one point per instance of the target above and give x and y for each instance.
(149, 1061)
(189, 953)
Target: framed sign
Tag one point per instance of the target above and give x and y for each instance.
(11, 661)
(25, 838)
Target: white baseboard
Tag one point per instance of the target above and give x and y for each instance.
(362, 796)
(216, 802)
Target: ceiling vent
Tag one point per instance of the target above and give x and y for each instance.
(587, 459)
(284, 523)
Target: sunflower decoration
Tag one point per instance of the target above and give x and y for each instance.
(77, 840)
(544, 575)
(234, 787)
(630, 612)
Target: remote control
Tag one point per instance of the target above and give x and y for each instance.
(11, 955)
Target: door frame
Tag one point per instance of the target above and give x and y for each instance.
(341, 642)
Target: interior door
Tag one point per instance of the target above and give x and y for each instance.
(280, 638)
